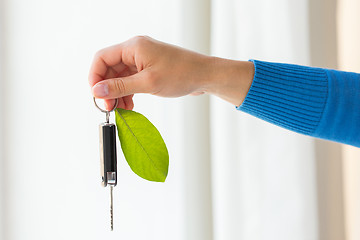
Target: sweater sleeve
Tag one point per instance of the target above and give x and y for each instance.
(317, 102)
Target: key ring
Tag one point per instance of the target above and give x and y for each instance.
(104, 111)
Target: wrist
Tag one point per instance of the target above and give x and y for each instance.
(229, 79)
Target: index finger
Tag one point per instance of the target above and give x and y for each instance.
(119, 56)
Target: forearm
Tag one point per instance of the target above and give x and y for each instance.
(229, 79)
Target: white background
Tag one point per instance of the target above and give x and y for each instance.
(231, 176)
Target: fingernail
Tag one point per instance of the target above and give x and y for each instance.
(100, 90)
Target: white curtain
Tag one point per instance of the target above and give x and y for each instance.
(231, 176)
(1, 113)
(349, 52)
(263, 176)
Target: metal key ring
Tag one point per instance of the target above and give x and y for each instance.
(105, 111)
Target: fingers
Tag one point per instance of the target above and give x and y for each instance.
(117, 57)
(110, 104)
(123, 86)
(128, 101)
(124, 103)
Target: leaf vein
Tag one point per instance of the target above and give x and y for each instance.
(152, 162)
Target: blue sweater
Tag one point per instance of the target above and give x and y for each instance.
(318, 102)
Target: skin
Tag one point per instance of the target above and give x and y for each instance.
(145, 65)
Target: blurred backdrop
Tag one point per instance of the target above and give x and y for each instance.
(231, 176)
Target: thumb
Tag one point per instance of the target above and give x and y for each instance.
(120, 87)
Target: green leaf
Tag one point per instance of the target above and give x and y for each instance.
(142, 145)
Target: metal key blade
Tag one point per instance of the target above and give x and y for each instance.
(111, 209)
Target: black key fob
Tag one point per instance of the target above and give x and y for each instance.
(108, 160)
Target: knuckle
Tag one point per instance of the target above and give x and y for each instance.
(140, 40)
(119, 86)
(99, 53)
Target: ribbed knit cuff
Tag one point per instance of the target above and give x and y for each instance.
(290, 96)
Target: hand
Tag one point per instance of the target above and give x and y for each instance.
(144, 65)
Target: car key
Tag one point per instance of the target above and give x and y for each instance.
(108, 160)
